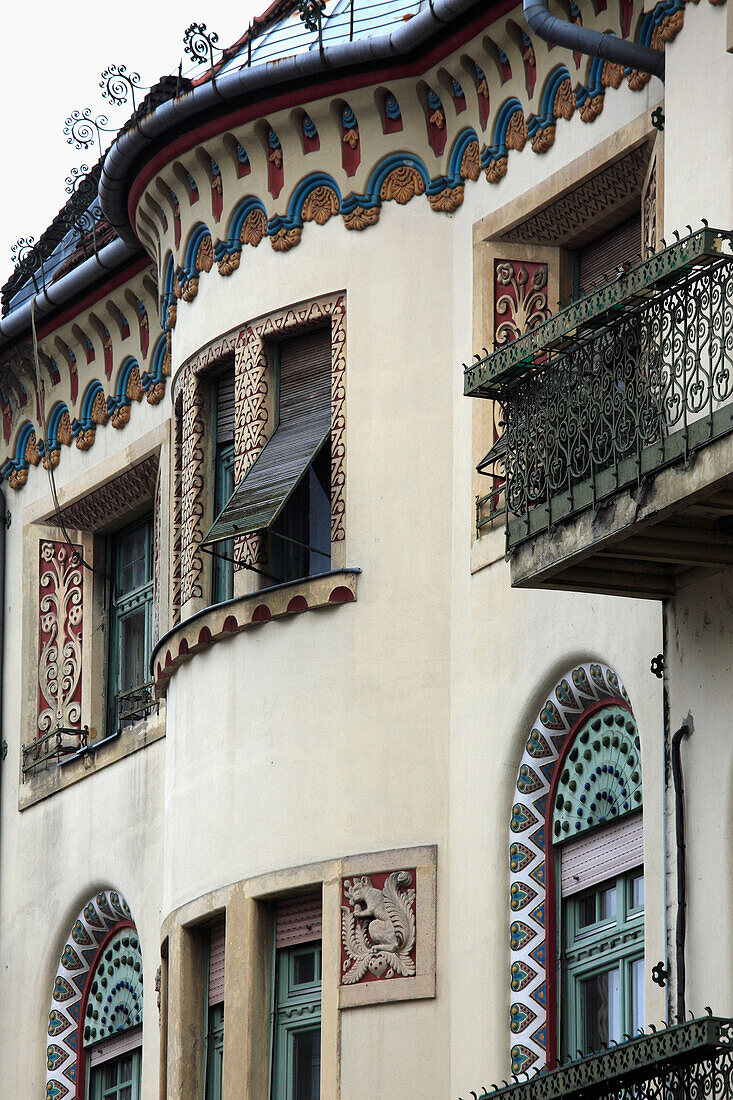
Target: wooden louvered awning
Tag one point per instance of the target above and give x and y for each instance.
(305, 424)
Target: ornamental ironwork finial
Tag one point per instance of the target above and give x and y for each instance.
(82, 130)
(199, 43)
(118, 85)
(310, 12)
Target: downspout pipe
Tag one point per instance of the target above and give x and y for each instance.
(609, 47)
(685, 730)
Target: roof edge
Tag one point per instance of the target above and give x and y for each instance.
(127, 148)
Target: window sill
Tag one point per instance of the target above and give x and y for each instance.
(223, 620)
(93, 758)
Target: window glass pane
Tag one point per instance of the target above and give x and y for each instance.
(608, 903)
(126, 1069)
(132, 559)
(125, 1094)
(637, 995)
(586, 910)
(133, 649)
(110, 1075)
(637, 892)
(304, 968)
(306, 1065)
(600, 1009)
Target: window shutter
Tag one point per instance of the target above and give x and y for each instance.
(121, 1044)
(305, 424)
(601, 854)
(600, 260)
(298, 920)
(225, 407)
(216, 963)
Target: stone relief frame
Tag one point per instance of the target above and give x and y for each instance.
(249, 344)
(80, 505)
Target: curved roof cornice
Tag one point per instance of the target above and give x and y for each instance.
(176, 114)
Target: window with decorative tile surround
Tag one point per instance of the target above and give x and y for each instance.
(266, 457)
(98, 602)
(575, 859)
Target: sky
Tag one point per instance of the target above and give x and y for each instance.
(58, 55)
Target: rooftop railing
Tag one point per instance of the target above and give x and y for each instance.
(689, 1060)
(614, 388)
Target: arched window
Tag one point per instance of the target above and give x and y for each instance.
(576, 890)
(95, 1022)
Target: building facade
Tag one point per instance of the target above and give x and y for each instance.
(360, 714)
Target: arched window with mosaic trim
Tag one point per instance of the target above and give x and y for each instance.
(95, 1023)
(576, 874)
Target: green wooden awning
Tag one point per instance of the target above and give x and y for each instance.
(271, 479)
(305, 424)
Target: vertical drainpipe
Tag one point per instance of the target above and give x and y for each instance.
(685, 730)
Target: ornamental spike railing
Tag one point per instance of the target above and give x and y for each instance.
(693, 1058)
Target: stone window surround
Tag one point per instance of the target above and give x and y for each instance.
(45, 782)
(489, 546)
(247, 907)
(249, 343)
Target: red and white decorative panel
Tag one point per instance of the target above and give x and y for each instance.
(60, 623)
(520, 298)
(378, 929)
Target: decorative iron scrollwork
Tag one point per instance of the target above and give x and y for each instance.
(118, 85)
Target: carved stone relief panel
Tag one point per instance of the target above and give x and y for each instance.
(378, 927)
(387, 925)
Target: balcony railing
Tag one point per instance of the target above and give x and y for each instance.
(609, 391)
(684, 1062)
(133, 704)
(56, 745)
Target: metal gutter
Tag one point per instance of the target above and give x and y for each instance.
(559, 32)
(57, 294)
(128, 147)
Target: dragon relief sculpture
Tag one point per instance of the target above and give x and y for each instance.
(378, 928)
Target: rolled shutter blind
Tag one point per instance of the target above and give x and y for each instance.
(216, 963)
(298, 920)
(601, 854)
(127, 1041)
(305, 423)
(225, 407)
(599, 261)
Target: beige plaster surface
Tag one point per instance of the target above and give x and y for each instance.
(401, 723)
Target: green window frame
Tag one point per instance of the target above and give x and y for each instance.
(603, 963)
(214, 1043)
(117, 1079)
(129, 689)
(223, 571)
(296, 1060)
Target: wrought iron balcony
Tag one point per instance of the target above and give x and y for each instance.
(56, 745)
(133, 704)
(598, 401)
(689, 1060)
